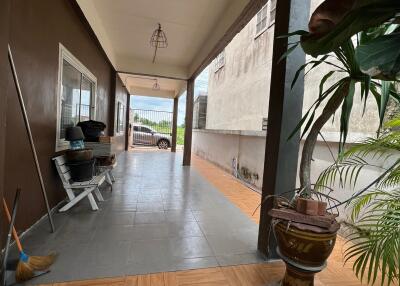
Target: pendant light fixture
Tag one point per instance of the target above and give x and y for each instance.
(156, 85)
(158, 40)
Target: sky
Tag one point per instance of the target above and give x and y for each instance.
(164, 104)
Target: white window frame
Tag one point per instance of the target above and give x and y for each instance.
(259, 20)
(66, 55)
(121, 132)
(219, 61)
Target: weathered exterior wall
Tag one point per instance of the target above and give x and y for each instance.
(238, 96)
(221, 148)
(225, 148)
(35, 34)
(238, 92)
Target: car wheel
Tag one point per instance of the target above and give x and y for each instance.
(163, 144)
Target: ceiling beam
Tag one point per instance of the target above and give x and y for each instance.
(144, 91)
(142, 67)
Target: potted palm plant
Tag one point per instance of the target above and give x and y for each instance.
(306, 244)
(374, 224)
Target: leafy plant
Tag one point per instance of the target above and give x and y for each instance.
(335, 21)
(340, 93)
(375, 219)
(332, 27)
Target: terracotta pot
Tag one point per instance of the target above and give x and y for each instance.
(305, 248)
(322, 208)
(307, 206)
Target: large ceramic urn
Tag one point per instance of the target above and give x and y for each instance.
(304, 247)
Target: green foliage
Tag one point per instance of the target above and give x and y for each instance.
(345, 67)
(375, 237)
(364, 14)
(375, 220)
(381, 57)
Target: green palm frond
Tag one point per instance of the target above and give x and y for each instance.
(375, 218)
(350, 164)
(375, 237)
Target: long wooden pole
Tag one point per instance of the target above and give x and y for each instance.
(28, 129)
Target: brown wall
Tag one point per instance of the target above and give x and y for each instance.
(4, 71)
(36, 29)
(120, 95)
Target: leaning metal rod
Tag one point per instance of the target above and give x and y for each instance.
(28, 129)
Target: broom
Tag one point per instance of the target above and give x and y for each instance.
(28, 264)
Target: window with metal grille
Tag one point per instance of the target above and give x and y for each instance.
(262, 19)
(121, 118)
(76, 95)
(219, 61)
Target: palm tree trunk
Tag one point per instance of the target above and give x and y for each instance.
(308, 149)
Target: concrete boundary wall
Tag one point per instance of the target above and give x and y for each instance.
(247, 148)
(225, 148)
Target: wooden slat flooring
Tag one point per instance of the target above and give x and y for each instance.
(336, 274)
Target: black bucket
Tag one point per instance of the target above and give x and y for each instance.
(81, 171)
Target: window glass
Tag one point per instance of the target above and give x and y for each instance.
(76, 97)
(261, 19)
(120, 117)
(70, 97)
(146, 130)
(135, 128)
(219, 61)
(86, 98)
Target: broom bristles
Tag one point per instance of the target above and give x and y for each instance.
(23, 272)
(42, 262)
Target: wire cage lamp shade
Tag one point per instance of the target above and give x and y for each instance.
(158, 40)
(156, 85)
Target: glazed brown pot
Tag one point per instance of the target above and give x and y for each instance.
(303, 247)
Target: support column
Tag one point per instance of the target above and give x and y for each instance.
(128, 130)
(187, 150)
(174, 124)
(285, 111)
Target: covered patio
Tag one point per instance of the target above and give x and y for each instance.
(158, 225)
(168, 212)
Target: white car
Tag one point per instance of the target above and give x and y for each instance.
(144, 135)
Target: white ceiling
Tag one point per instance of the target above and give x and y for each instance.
(193, 28)
(143, 85)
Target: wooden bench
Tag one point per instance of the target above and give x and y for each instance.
(107, 170)
(72, 188)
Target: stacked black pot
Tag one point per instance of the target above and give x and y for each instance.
(79, 160)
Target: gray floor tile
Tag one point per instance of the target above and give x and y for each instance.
(195, 263)
(190, 247)
(113, 233)
(237, 259)
(117, 218)
(231, 244)
(154, 220)
(150, 207)
(179, 215)
(149, 231)
(187, 229)
(150, 218)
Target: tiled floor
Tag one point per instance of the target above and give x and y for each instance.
(160, 217)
